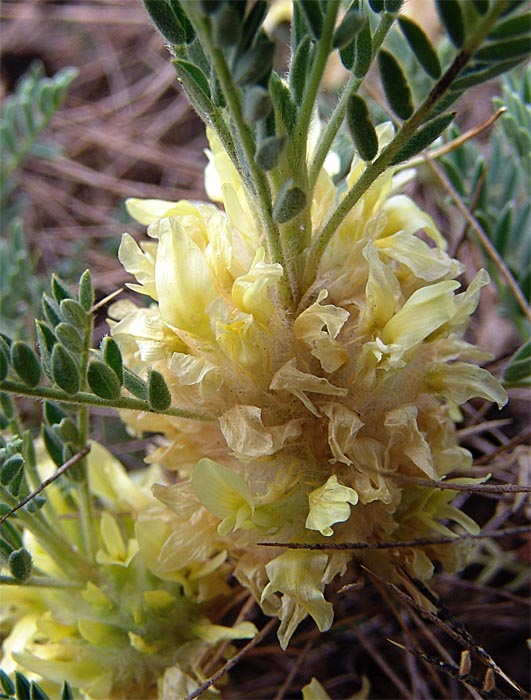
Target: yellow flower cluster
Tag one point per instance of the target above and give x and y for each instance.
(315, 415)
(119, 631)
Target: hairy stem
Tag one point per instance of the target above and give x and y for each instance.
(353, 85)
(259, 190)
(86, 399)
(312, 86)
(83, 486)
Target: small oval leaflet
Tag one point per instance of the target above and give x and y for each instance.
(257, 104)
(135, 385)
(395, 85)
(269, 152)
(361, 128)
(20, 564)
(451, 16)
(112, 356)
(103, 380)
(85, 292)
(291, 201)
(73, 313)
(11, 468)
(159, 396)
(25, 363)
(421, 46)
(65, 372)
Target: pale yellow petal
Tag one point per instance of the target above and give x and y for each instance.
(309, 327)
(424, 262)
(248, 438)
(139, 263)
(343, 426)
(461, 381)
(191, 370)
(329, 504)
(224, 493)
(245, 433)
(143, 336)
(213, 634)
(467, 301)
(405, 435)
(146, 211)
(369, 459)
(324, 197)
(16, 641)
(311, 321)
(382, 292)
(237, 340)
(110, 481)
(402, 214)
(424, 312)
(100, 634)
(289, 378)
(278, 13)
(86, 674)
(298, 576)
(112, 537)
(222, 182)
(184, 284)
(249, 292)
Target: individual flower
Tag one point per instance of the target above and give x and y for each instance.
(313, 416)
(117, 630)
(330, 504)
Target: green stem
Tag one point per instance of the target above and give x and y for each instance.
(86, 399)
(83, 487)
(408, 129)
(218, 123)
(86, 516)
(258, 185)
(353, 85)
(30, 468)
(311, 88)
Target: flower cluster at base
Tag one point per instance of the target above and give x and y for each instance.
(118, 631)
(317, 413)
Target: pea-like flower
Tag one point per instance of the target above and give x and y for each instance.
(316, 412)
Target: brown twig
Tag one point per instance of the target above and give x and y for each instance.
(405, 629)
(483, 237)
(61, 470)
(376, 656)
(398, 545)
(456, 143)
(233, 661)
(445, 621)
(468, 488)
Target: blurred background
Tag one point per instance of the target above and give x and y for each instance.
(124, 130)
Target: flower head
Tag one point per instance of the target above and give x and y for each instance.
(317, 410)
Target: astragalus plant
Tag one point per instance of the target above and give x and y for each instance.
(302, 351)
